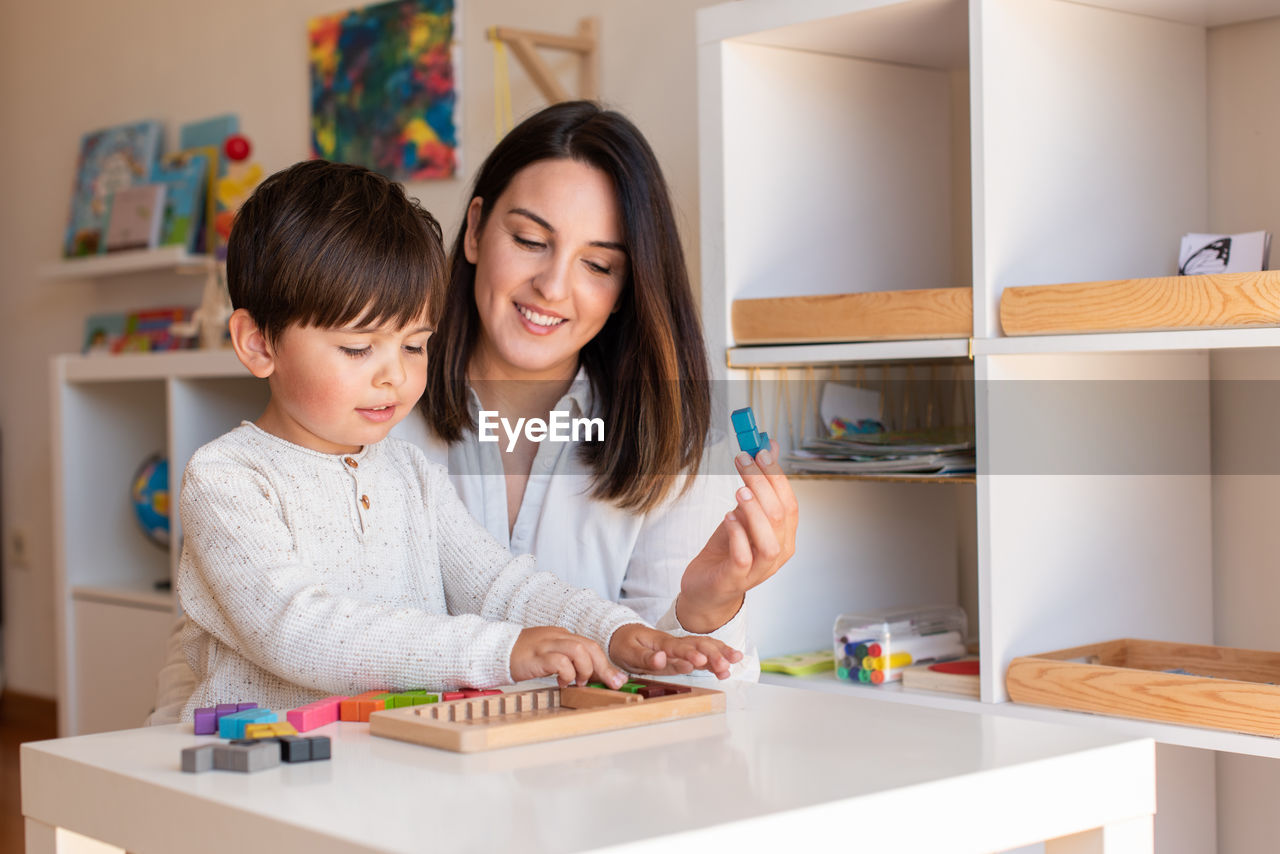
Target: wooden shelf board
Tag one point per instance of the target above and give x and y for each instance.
(1211, 302)
(120, 263)
(135, 597)
(1181, 736)
(784, 355)
(192, 364)
(910, 315)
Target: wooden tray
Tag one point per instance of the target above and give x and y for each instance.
(544, 714)
(1222, 687)
(875, 316)
(1218, 301)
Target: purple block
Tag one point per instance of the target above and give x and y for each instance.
(225, 709)
(206, 721)
(240, 707)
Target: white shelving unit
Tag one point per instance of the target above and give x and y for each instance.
(866, 145)
(112, 605)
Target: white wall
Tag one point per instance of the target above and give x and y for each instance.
(1244, 195)
(68, 68)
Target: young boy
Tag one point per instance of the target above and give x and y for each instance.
(320, 556)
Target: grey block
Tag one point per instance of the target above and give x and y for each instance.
(247, 758)
(294, 748)
(320, 747)
(197, 759)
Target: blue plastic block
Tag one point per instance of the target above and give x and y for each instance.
(743, 419)
(749, 441)
(232, 726)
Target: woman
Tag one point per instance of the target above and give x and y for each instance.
(568, 293)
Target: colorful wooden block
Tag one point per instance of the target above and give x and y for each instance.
(198, 759)
(269, 730)
(316, 714)
(320, 748)
(295, 748)
(246, 757)
(232, 726)
(206, 721)
(668, 687)
(359, 707)
(744, 425)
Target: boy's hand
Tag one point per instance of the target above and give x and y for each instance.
(641, 649)
(572, 659)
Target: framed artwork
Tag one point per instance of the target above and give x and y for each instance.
(383, 91)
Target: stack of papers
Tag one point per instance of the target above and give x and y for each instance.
(883, 453)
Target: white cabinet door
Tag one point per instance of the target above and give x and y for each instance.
(118, 652)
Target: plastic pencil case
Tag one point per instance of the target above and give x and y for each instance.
(873, 647)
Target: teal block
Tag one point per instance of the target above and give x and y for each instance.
(232, 726)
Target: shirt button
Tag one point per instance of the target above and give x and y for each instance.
(351, 461)
(364, 499)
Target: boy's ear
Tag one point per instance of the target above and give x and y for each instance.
(251, 345)
(471, 243)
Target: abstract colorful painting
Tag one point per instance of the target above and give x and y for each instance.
(382, 88)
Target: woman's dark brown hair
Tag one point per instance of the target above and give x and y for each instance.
(328, 244)
(648, 365)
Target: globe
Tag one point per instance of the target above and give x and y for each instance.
(151, 499)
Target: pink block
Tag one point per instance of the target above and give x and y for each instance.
(315, 714)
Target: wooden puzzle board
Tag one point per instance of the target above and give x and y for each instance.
(544, 714)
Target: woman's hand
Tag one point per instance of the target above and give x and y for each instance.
(572, 659)
(641, 649)
(747, 548)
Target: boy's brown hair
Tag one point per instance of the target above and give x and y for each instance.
(328, 245)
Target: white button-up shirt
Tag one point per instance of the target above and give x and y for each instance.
(636, 559)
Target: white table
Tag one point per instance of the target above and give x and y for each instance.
(781, 768)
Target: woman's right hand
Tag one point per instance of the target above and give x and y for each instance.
(572, 659)
(746, 549)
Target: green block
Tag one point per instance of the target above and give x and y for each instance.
(631, 687)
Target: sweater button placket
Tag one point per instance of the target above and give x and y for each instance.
(362, 499)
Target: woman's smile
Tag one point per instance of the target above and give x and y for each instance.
(539, 322)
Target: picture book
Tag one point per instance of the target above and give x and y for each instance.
(110, 159)
(185, 176)
(209, 135)
(151, 330)
(102, 333)
(1201, 254)
(134, 219)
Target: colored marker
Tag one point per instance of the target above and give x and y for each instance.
(924, 647)
(887, 662)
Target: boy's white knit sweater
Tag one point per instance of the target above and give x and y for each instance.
(305, 575)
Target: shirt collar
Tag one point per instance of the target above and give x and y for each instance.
(579, 393)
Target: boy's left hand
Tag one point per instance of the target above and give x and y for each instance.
(640, 649)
